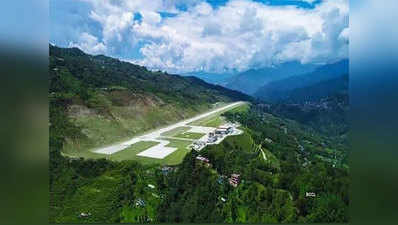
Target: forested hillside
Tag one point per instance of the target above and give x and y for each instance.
(111, 100)
(278, 162)
(318, 99)
(285, 171)
(283, 89)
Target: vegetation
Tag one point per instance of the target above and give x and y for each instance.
(216, 119)
(112, 101)
(190, 135)
(279, 160)
(328, 115)
(177, 156)
(131, 152)
(272, 190)
(282, 90)
(175, 131)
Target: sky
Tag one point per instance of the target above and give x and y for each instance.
(218, 36)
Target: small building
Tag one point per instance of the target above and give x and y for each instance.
(220, 131)
(223, 199)
(203, 161)
(234, 180)
(166, 170)
(268, 140)
(212, 139)
(195, 147)
(151, 186)
(84, 215)
(227, 128)
(198, 145)
(140, 202)
(310, 194)
(224, 130)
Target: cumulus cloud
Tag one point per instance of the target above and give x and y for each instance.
(240, 35)
(344, 35)
(89, 44)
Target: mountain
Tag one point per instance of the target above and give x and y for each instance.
(110, 100)
(319, 90)
(318, 99)
(323, 106)
(269, 167)
(212, 78)
(282, 89)
(327, 115)
(250, 81)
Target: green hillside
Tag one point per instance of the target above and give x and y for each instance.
(271, 189)
(95, 100)
(110, 100)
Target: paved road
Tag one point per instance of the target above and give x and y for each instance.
(153, 136)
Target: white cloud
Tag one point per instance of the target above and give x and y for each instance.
(89, 44)
(309, 1)
(240, 35)
(344, 35)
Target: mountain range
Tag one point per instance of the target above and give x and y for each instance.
(250, 81)
(280, 81)
(313, 82)
(212, 78)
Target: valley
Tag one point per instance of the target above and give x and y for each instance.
(137, 146)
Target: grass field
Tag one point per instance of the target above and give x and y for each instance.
(216, 120)
(102, 131)
(190, 135)
(131, 152)
(175, 131)
(177, 156)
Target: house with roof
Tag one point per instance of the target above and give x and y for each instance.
(223, 130)
(167, 169)
(203, 161)
(234, 180)
(140, 202)
(268, 140)
(310, 194)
